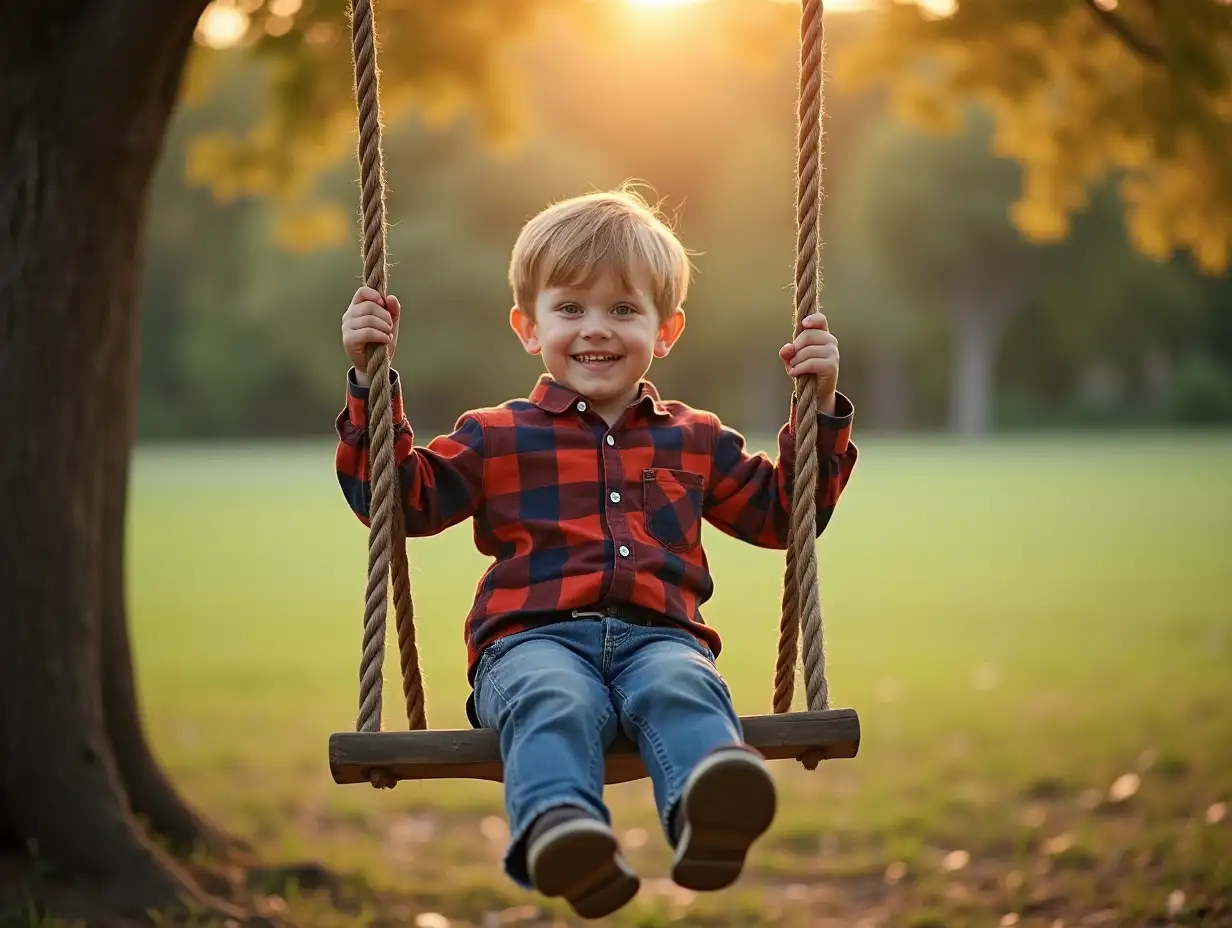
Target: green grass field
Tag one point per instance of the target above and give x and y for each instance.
(1037, 633)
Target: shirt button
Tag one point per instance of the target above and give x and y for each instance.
(614, 497)
(624, 552)
(611, 440)
(581, 406)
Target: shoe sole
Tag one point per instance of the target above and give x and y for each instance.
(581, 862)
(730, 803)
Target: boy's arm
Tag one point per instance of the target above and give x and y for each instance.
(749, 496)
(440, 485)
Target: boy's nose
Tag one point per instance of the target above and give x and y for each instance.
(595, 327)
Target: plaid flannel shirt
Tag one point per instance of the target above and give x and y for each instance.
(575, 513)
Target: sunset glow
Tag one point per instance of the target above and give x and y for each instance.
(935, 7)
(225, 22)
(222, 25)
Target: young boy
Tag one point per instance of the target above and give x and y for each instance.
(589, 496)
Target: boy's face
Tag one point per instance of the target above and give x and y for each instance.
(599, 338)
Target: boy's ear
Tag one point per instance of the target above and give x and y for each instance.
(669, 331)
(523, 325)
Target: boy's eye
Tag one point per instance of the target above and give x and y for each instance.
(570, 308)
(624, 309)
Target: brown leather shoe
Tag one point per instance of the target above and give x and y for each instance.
(728, 803)
(574, 855)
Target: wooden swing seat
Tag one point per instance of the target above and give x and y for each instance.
(474, 754)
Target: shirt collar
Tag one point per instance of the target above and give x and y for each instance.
(552, 396)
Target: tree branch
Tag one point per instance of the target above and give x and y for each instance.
(1144, 48)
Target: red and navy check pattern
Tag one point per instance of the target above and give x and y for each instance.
(574, 513)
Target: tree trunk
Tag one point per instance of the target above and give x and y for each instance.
(890, 406)
(979, 320)
(81, 129)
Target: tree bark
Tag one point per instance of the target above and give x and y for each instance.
(81, 130)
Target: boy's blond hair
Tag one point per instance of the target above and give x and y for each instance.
(570, 241)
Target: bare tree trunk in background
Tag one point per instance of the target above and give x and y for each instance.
(979, 319)
(86, 93)
(889, 384)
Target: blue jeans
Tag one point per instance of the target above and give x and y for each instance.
(559, 693)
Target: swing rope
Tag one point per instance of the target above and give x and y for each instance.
(387, 531)
(801, 602)
(801, 587)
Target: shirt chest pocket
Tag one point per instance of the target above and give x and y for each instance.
(672, 506)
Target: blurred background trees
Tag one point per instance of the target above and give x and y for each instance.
(1027, 216)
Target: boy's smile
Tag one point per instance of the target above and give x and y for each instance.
(599, 337)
